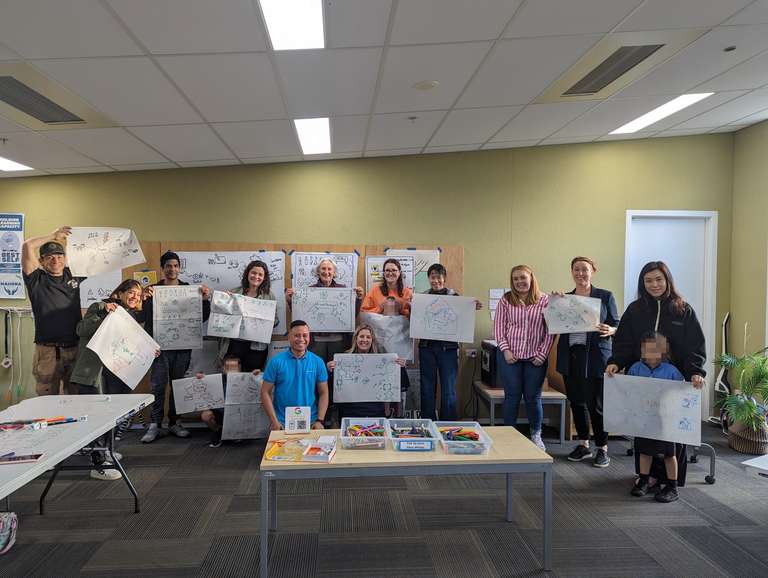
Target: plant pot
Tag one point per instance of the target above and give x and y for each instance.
(748, 441)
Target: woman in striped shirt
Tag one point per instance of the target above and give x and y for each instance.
(524, 344)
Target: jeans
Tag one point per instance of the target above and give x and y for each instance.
(585, 395)
(522, 378)
(169, 366)
(436, 359)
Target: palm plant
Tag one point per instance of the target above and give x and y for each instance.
(748, 401)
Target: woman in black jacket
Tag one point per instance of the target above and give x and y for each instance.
(581, 360)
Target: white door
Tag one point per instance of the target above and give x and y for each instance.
(687, 242)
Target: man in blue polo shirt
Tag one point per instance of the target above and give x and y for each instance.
(296, 377)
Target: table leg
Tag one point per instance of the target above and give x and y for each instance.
(55, 473)
(509, 497)
(273, 504)
(491, 411)
(119, 467)
(548, 519)
(265, 486)
(563, 409)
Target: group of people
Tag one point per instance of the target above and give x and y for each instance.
(657, 336)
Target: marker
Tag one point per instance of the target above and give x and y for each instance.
(8, 455)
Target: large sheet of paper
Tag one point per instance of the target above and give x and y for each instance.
(325, 309)
(391, 332)
(11, 240)
(99, 287)
(94, 250)
(659, 409)
(243, 388)
(443, 317)
(245, 422)
(494, 296)
(422, 260)
(223, 270)
(124, 347)
(239, 317)
(572, 314)
(191, 394)
(366, 377)
(374, 271)
(177, 316)
(304, 265)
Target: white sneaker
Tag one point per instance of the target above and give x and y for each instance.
(536, 439)
(106, 475)
(151, 434)
(117, 455)
(179, 430)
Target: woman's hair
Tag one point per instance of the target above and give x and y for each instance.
(375, 347)
(586, 260)
(671, 296)
(125, 286)
(400, 286)
(534, 294)
(326, 260)
(264, 287)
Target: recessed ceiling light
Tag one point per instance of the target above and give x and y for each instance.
(294, 25)
(314, 135)
(663, 111)
(8, 165)
(426, 84)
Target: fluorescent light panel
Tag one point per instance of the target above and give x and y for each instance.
(294, 24)
(314, 135)
(8, 165)
(665, 110)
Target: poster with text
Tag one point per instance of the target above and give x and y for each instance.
(11, 239)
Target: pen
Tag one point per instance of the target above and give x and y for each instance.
(8, 455)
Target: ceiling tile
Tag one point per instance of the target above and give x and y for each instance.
(22, 174)
(260, 139)
(702, 106)
(328, 82)
(186, 142)
(538, 121)
(146, 167)
(7, 54)
(108, 145)
(452, 148)
(176, 26)
(519, 69)
(755, 13)
(608, 116)
(213, 163)
(128, 90)
(398, 131)
(731, 112)
(633, 136)
(676, 132)
(78, 170)
(433, 21)
(46, 29)
(9, 126)
(750, 74)
(348, 133)
(511, 144)
(759, 116)
(472, 125)
(273, 160)
(561, 17)
(566, 140)
(356, 22)
(331, 156)
(228, 87)
(393, 152)
(660, 14)
(728, 128)
(39, 152)
(451, 65)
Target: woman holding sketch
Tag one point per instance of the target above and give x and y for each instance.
(581, 360)
(523, 348)
(390, 293)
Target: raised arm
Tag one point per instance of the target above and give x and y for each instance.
(30, 248)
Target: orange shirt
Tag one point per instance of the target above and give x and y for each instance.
(373, 301)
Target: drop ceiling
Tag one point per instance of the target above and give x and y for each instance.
(185, 83)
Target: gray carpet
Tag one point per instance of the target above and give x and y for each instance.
(200, 518)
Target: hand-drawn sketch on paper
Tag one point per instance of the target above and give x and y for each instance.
(391, 332)
(422, 260)
(124, 347)
(191, 394)
(239, 317)
(245, 422)
(94, 250)
(443, 317)
(325, 308)
(177, 316)
(366, 377)
(99, 287)
(304, 268)
(243, 388)
(374, 271)
(572, 314)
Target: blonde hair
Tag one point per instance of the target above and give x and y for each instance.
(375, 348)
(534, 294)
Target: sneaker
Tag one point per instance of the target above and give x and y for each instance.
(601, 459)
(106, 475)
(668, 494)
(215, 439)
(579, 453)
(536, 439)
(640, 488)
(151, 434)
(179, 430)
(117, 455)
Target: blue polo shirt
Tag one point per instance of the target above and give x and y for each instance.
(664, 370)
(295, 380)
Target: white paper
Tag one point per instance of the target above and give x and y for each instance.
(443, 317)
(304, 265)
(124, 347)
(391, 332)
(94, 250)
(243, 388)
(374, 271)
(245, 422)
(191, 394)
(239, 317)
(422, 260)
(494, 296)
(223, 270)
(325, 309)
(659, 409)
(177, 316)
(366, 377)
(572, 314)
(99, 287)
(276, 347)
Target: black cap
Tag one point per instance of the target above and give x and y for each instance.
(51, 248)
(167, 256)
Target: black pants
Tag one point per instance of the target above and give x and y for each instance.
(585, 395)
(250, 359)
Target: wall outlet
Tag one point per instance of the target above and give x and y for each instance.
(470, 353)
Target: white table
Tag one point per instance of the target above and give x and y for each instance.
(59, 442)
(758, 466)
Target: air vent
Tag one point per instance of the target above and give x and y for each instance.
(19, 95)
(616, 65)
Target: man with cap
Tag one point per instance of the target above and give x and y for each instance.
(55, 297)
(172, 364)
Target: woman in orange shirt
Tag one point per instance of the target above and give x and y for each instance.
(391, 286)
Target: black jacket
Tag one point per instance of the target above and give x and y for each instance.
(687, 350)
(598, 348)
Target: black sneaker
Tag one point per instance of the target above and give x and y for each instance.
(601, 459)
(579, 453)
(668, 494)
(640, 488)
(215, 440)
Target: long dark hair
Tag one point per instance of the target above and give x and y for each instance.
(264, 287)
(125, 286)
(400, 286)
(671, 296)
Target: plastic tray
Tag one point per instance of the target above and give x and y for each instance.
(482, 446)
(367, 442)
(420, 444)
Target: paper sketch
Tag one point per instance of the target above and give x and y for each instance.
(374, 271)
(366, 377)
(94, 250)
(443, 317)
(239, 317)
(572, 314)
(422, 259)
(391, 332)
(244, 422)
(243, 388)
(177, 316)
(325, 308)
(659, 409)
(124, 347)
(191, 394)
(99, 287)
(223, 270)
(494, 296)
(303, 268)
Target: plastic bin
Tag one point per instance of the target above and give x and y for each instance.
(364, 442)
(481, 446)
(414, 444)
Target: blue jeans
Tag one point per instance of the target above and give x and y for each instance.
(434, 358)
(522, 378)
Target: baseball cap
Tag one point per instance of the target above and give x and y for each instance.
(51, 248)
